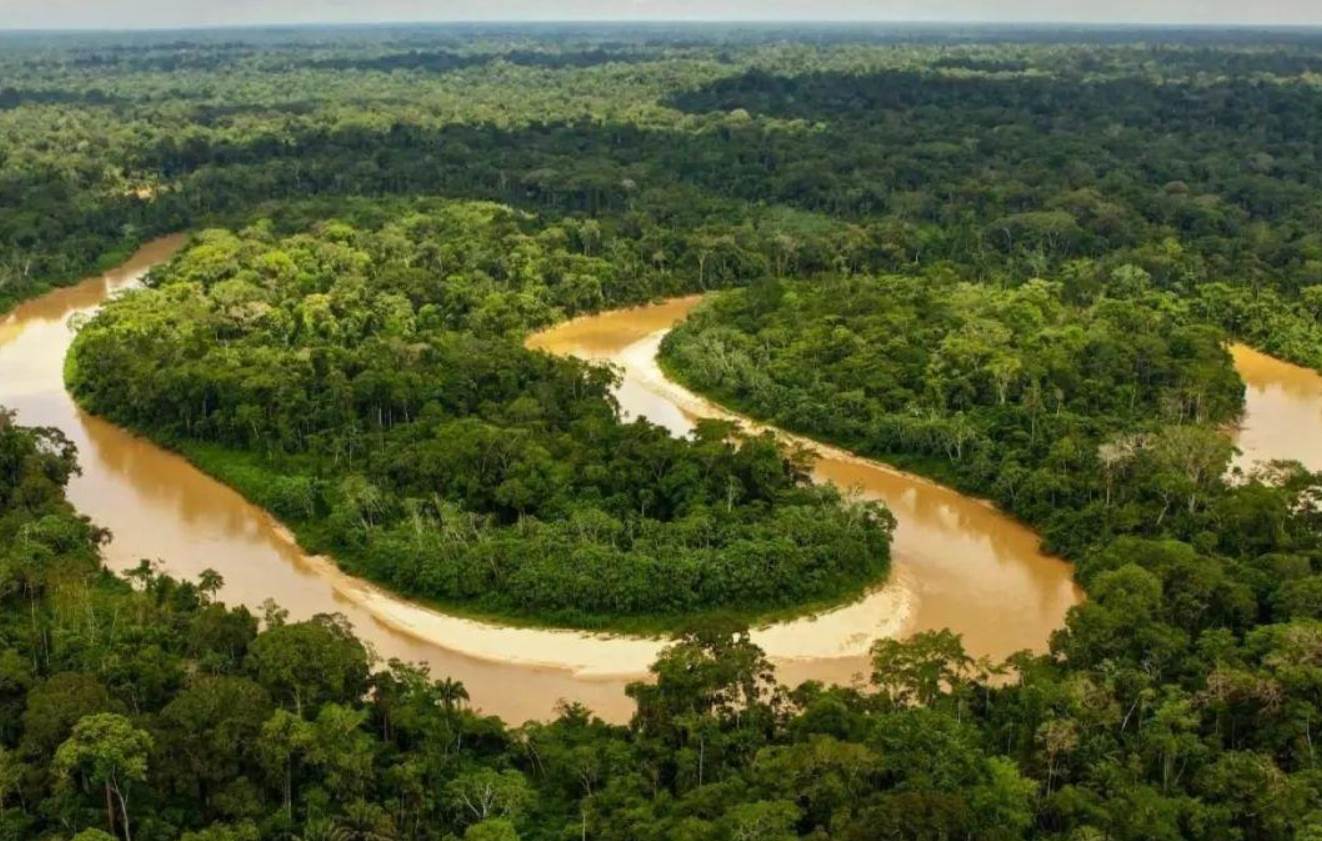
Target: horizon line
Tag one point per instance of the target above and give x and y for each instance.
(755, 22)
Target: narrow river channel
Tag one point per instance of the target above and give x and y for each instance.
(959, 563)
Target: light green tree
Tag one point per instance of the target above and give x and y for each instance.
(493, 829)
(107, 749)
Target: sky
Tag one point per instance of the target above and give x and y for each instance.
(133, 14)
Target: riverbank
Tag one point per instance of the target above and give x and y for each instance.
(159, 506)
(958, 562)
(253, 476)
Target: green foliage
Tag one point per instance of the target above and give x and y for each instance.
(107, 750)
(693, 159)
(1086, 420)
(353, 364)
(1168, 709)
(368, 385)
(493, 829)
(1098, 420)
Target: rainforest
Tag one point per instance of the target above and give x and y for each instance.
(711, 433)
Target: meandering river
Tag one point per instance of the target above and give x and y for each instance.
(958, 562)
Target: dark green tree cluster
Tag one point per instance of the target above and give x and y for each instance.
(1098, 422)
(1085, 420)
(1178, 703)
(370, 387)
(716, 156)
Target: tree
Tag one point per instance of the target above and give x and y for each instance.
(108, 750)
(285, 741)
(224, 832)
(341, 750)
(714, 670)
(11, 775)
(763, 821)
(310, 663)
(210, 729)
(56, 705)
(919, 670)
(1190, 459)
(486, 793)
(492, 829)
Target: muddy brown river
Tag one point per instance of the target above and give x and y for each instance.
(1283, 420)
(958, 562)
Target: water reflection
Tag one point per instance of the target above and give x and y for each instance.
(159, 507)
(959, 563)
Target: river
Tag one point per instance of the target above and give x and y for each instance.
(958, 562)
(1283, 411)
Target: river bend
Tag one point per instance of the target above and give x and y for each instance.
(958, 562)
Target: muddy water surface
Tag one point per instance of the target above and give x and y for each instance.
(958, 562)
(159, 507)
(1282, 410)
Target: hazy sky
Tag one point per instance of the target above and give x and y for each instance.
(173, 13)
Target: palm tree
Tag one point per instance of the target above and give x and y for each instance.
(452, 693)
(366, 822)
(453, 696)
(324, 830)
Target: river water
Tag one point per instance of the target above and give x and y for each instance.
(958, 562)
(1283, 416)
(159, 507)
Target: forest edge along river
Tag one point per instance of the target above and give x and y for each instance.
(958, 562)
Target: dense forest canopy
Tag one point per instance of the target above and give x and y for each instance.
(371, 386)
(1007, 257)
(1009, 154)
(1087, 421)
